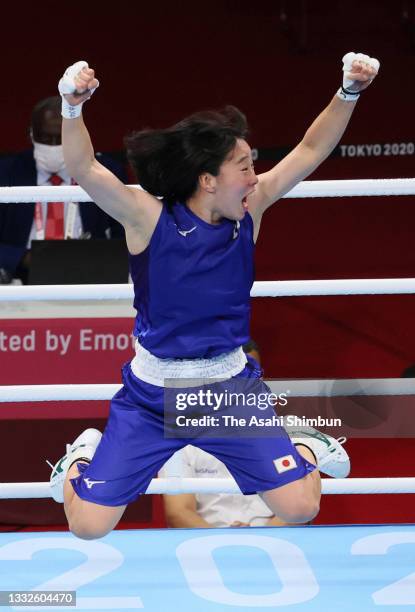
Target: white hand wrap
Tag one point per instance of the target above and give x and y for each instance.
(67, 86)
(350, 88)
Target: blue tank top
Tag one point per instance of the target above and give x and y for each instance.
(192, 285)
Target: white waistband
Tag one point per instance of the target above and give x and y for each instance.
(153, 370)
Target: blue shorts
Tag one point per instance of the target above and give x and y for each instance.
(133, 449)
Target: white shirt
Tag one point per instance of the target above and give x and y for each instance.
(218, 509)
(43, 179)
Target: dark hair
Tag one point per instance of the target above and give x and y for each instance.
(38, 113)
(168, 162)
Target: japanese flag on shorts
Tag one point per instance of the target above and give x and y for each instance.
(283, 464)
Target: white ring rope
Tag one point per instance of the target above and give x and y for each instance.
(52, 393)
(176, 486)
(353, 188)
(357, 286)
(306, 189)
(352, 286)
(296, 388)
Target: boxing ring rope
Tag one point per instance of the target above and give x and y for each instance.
(306, 189)
(177, 486)
(298, 388)
(357, 286)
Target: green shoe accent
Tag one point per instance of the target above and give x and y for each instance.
(58, 467)
(317, 434)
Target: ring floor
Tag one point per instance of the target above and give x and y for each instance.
(196, 570)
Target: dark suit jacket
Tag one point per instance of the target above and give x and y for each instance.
(16, 219)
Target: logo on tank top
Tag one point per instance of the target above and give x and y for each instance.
(236, 230)
(185, 232)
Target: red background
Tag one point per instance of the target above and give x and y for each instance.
(159, 61)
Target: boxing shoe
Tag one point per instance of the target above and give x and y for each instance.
(330, 454)
(83, 448)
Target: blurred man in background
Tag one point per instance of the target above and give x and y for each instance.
(43, 164)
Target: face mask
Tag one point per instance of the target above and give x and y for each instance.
(48, 157)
